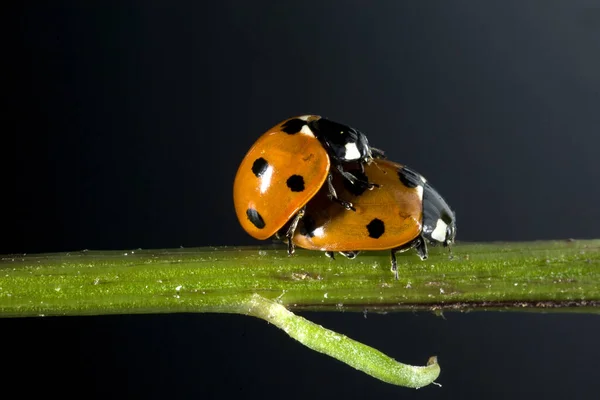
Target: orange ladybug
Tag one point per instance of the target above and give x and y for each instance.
(288, 165)
(402, 213)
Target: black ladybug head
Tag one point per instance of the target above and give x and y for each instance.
(439, 221)
(343, 142)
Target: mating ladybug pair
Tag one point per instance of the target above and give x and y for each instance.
(319, 185)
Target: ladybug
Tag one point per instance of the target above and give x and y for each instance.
(288, 165)
(403, 213)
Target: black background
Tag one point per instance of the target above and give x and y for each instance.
(129, 121)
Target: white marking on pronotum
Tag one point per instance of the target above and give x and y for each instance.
(306, 131)
(419, 190)
(352, 152)
(304, 117)
(265, 180)
(439, 233)
(318, 232)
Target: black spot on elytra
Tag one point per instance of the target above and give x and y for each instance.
(409, 178)
(255, 218)
(376, 228)
(295, 183)
(360, 185)
(293, 126)
(259, 167)
(308, 226)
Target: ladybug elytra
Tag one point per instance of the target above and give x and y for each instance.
(402, 213)
(288, 165)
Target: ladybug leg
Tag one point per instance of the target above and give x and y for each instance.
(347, 175)
(332, 195)
(289, 235)
(394, 264)
(377, 153)
(418, 244)
(374, 153)
(421, 248)
(351, 255)
(450, 254)
(369, 186)
(352, 179)
(348, 254)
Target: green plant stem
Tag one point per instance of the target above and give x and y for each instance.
(266, 283)
(549, 275)
(351, 352)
